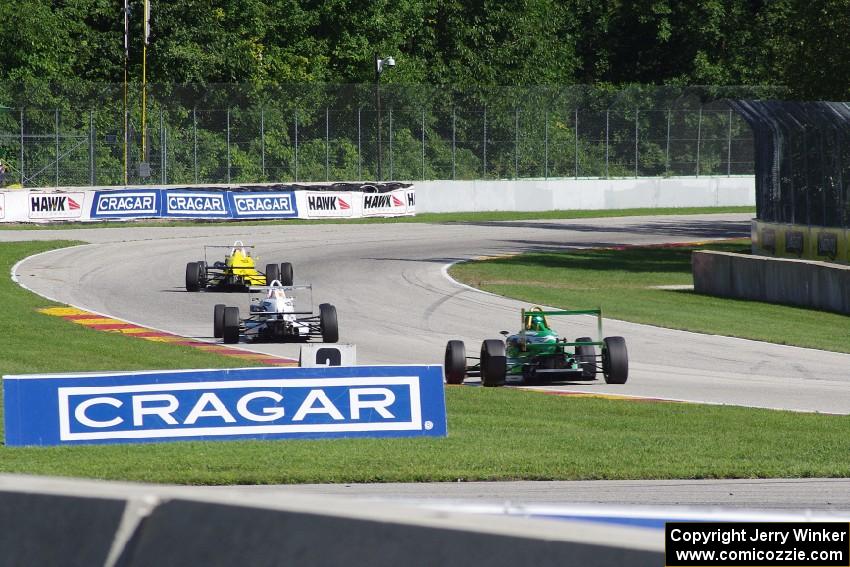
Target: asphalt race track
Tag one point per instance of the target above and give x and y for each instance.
(396, 304)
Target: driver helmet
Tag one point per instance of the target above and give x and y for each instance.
(538, 323)
(276, 293)
(277, 300)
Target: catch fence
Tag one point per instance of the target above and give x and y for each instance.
(340, 134)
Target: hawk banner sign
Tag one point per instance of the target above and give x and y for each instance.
(57, 206)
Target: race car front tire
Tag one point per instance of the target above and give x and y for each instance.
(218, 320)
(272, 273)
(454, 366)
(193, 276)
(615, 360)
(586, 356)
(286, 273)
(230, 328)
(328, 321)
(494, 364)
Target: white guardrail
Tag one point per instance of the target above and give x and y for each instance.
(210, 202)
(98, 204)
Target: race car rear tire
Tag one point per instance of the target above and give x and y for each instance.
(218, 320)
(230, 328)
(202, 266)
(454, 366)
(615, 360)
(272, 273)
(193, 276)
(286, 273)
(494, 365)
(586, 356)
(328, 320)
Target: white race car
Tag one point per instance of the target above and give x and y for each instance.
(273, 317)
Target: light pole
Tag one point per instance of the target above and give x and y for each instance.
(379, 68)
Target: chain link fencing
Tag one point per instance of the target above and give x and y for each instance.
(220, 134)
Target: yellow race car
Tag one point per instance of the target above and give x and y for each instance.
(237, 272)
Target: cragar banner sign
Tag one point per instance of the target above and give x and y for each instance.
(267, 403)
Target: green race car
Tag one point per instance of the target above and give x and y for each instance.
(536, 354)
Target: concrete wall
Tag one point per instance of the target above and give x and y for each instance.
(492, 195)
(585, 194)
(806, 283)
(52, 521)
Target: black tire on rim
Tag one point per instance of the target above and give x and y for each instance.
(272, 273)
(230, 328)
(286, 273)
(615, 360)
(218, 320)
(328, 320)
(454, 366)
(193, 276)
(493, 363)
(586, 356)
(202, 266)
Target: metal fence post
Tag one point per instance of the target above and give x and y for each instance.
(516, 143)
(195, 143)
(484, 173)
(91, 147)
(842, 201)
(21, 167)
(391, 144)
(327, 144)
(637, 155)
(667, 154)
(453, 140)
(808, 194)
(228, 145)
(359, 149)
(423, 145)
(699, 136)
(729, 147)
(56, 136)
(296, 145)
(163, 151)
(576, 141)
(607, 145)
(546, 144)
(263, 143)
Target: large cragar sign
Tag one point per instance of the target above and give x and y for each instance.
(259, 403)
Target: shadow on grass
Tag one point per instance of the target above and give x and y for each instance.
(695, 228)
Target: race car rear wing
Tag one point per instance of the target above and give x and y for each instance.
(232, 247)
(265, 288)
(539, 311)
(261, 288)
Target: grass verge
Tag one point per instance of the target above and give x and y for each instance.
(420, 218)
(624, 283)
(494, 434)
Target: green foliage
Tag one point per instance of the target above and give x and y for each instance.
(276, 59)
(261, 43)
